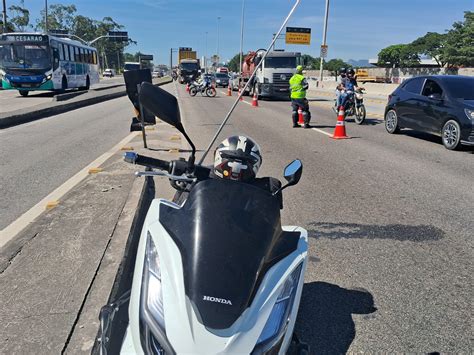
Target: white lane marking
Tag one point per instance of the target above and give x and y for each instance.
(23, 221)
(245, 102)
(321, 131)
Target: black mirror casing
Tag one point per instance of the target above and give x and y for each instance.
(161, 103)
(293, 171)
(133, 78)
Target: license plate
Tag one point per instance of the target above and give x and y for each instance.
(283, 90)
(26, 85)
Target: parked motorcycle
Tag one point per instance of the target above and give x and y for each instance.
(354, 106)
(204, 88)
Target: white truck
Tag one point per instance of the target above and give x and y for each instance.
(272, 78)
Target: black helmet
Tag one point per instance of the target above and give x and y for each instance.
(342, 71)
(237, 158)
(351, 71)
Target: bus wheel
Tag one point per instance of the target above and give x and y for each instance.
(88, 84)
(23, 93)
(64, 84)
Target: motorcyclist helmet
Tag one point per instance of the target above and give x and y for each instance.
(342, 72)
(237, 158)
(351, 72)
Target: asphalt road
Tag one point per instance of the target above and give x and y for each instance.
(11, 100)
(390, 220)
(390, 216)
(39, 156)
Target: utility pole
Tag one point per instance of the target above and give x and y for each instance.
(241, 37)
(46, 16)
(205, 56)
(218, 18)
(325, 30)
(4, 27)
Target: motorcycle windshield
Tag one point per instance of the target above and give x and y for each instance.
(229, 234)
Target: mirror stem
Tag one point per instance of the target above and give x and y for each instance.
(193, 147)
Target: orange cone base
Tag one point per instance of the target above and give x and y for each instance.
(343, 137)
(254, 101)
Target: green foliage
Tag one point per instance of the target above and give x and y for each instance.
(21, 17)
(459, 45)
(432, 45)
(60, 17)
(310, 62)
(233, 64)
(335, 64)
(399, 55)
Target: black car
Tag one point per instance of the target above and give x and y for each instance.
(442, 105)
(222, 79)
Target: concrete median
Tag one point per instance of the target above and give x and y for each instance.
(89, 98)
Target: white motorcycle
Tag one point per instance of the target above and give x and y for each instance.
(215, 274)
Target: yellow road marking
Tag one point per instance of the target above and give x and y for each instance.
(175, 138)
(126, 148)
(173, 151)
(149, 128)
(51, 204)
(95, 170)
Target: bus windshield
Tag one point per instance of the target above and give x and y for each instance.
(24, 56)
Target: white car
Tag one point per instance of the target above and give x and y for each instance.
(108, 73)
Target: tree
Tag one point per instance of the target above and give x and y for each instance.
(21, 16)
(335, 64)
(399, 55)
(233, 64)
(432, 44)
(60, 17)
(310, 62)
(459, 45)
(8, 28)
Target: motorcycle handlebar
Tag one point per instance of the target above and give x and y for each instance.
(134, 158)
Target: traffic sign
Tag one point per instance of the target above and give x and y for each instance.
(324, 51)
(146, 57)
(118, 36)
(298, 35)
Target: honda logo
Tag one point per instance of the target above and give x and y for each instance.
(217, 300)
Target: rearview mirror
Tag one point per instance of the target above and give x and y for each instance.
(293, 171)
(160, 103)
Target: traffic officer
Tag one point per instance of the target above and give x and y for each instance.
(298, 87)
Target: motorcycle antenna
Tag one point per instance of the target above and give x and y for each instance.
(248, 82)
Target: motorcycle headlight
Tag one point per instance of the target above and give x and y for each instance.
(359, 96)
(279, 316)
(151, 285)
(469, 114)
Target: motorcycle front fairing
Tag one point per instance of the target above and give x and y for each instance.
(224, 262)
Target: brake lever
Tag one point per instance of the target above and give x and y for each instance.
(161, 173)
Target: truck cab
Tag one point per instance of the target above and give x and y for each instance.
(272, 78)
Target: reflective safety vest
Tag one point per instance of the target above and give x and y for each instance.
(296, 87)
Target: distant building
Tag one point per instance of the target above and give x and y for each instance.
(424, 62)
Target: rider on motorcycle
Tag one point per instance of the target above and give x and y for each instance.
(349, 87)
(340, 86)
(204, 81)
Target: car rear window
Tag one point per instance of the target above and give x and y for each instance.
(222, 75)
(414, 85)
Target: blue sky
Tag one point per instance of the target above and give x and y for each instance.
(357, 29)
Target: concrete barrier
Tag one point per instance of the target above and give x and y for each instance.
(14, 118)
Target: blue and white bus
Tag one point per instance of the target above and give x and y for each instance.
(35, 61)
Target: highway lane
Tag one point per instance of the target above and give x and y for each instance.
(11, 100)
(39, 156)
(390, 220)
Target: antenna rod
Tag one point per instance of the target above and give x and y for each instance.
(248, 83)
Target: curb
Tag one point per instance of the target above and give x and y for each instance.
(36, 114)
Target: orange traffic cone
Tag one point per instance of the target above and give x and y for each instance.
(255, 100)
(241, 97)
(300, 116)
(340, 130)
(229, 90)
(187, 87)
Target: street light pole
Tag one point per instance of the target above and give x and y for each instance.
(4, 27)
(241, 37)
(325, 30)
(218, 18)
(46, 16)
(205, 56)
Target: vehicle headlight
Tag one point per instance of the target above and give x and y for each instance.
(48, 77)
(151, 284)
(469, 114)
(279, 316)
(5, 77)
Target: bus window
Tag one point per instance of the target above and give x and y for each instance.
(77, 58)
(56, 57)
(66, 51)
(94, 54)
(89, 56)
(71, 53)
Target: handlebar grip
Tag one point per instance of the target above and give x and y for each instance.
(134, 158)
